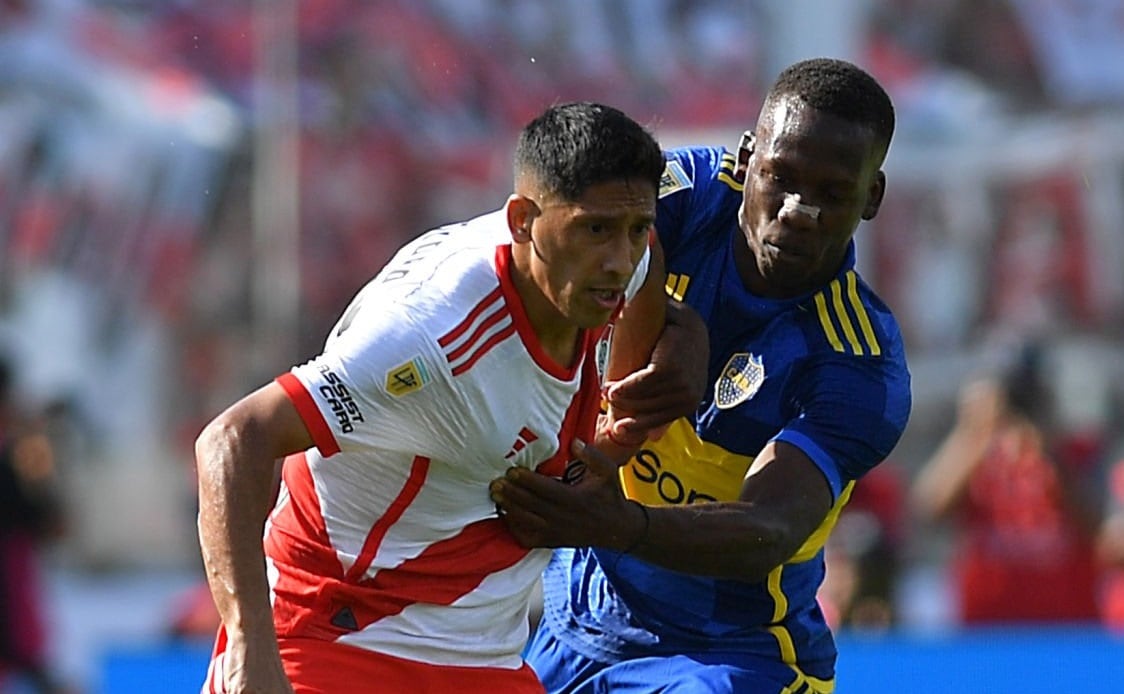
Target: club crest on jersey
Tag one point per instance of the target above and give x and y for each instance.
(601, 352)
(407, 378)
(739, 381)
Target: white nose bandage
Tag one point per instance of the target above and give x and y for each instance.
(793, 205)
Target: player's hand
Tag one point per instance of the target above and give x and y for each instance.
(645, 402)
(981, 407)
(251, 666)
(542, 511)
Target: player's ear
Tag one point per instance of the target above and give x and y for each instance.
(521, 210)
(745, 150)
(874, 196)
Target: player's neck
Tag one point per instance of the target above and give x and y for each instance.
(557, 337)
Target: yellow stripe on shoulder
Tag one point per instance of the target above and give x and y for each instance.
(731, 181)
(861, 314)
(676, 286)
(844, 318)
(826, 322)
(842, 307)
(726, 168)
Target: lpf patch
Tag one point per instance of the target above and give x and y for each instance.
(406, 378)
(674, 178)
(740, 380)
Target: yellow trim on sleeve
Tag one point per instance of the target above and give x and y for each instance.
(780, 601)
(784, 640)
(803, 684)
(818, 538)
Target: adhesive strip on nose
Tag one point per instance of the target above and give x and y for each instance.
(792, 204)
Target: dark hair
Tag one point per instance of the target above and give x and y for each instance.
(841, 89)
(573, 146)
(1024, 382)
(6, 377)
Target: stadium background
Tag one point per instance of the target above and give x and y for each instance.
(190, 191)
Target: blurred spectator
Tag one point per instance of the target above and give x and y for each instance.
(1110, 549)
(1022, 494)
(863, 553)
(194, 615)
(29, 515)
(986, 38)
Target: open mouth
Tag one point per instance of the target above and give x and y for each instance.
(607, 298)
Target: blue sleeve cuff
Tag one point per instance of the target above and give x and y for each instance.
(820, 457)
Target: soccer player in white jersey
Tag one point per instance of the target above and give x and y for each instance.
(480, 346)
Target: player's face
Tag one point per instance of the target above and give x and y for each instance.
(832, 165)
(581, 253)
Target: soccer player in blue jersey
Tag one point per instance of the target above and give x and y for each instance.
(730, 508)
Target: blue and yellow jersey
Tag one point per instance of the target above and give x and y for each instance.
(824, 372)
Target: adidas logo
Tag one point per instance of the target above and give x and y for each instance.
(525, 437)
(345, 619)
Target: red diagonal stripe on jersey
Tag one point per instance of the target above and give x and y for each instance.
(410, 489)
(297, 533)
(483, 349)
(298, 537)
(581, 415)
(444, 572)
(456, 332)
(528, 435)
(496, 317)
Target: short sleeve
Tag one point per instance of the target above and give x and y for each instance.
(368, 386)
(853, 412)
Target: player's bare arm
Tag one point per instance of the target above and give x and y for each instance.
(542, 511)
(784, 499)
(743, 540)
(235, 456)
(673, 381)
(657, 370)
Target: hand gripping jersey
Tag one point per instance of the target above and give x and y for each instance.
(430, 386)
(824, 372)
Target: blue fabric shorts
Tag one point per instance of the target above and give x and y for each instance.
(565, 671)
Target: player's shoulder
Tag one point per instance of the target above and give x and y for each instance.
(428, 283)
(703, 170)
(699, 199)
(451, 248)
(847, 318)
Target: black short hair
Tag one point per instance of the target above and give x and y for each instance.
(573, 146)
(841, 89)
(1025, 384)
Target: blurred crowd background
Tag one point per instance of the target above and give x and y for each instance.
(192, 190)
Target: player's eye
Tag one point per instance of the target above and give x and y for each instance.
(771, 178)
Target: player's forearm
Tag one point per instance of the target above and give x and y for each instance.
(723, 540)
(640, 323)
(942, 482)
(235, 493)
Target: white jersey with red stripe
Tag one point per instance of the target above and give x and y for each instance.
(430, 386)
